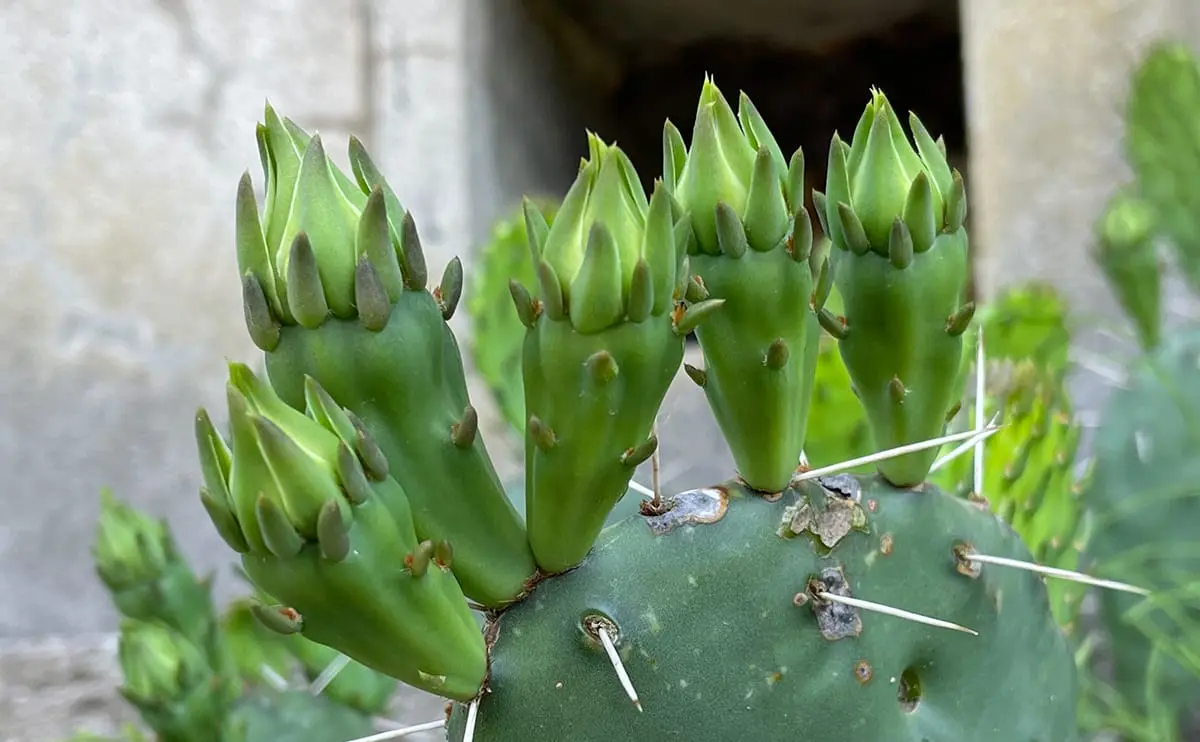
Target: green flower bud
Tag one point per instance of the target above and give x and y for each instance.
(880, 176)
(131, 548)
(609, 249)
(159, 665)
(282, 456)
(317, 216)
(734, 165)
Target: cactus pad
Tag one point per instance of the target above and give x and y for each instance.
(722, 642)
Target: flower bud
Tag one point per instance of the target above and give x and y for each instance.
(880, 176)
(131, 548)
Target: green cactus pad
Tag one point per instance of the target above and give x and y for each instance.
(582, 452)
(711, 617)
(896, 331)
(751, 244)
(406, 384)
(335, 287)
(1144, 494)
(894, 214)
(605, 339)
(762, 409)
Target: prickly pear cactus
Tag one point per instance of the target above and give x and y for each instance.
(1162, 145)
(895, 217)
(1145, 498)
(335, 289)
(850, 607)
(749, 246)
(604, 342)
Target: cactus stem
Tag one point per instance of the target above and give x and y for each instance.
(892, 453)
(969, 556)
(868, 605)
(957, 323)
(462, 433)
(543, 437)
(834, 325)
(331, 671)
(776, 356)
(698, 375)
(449, 292)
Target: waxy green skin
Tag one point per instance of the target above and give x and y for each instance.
(407, 384)
(335, 288)
(717, 650)
(762, 411)
(752, 252)
(894, 214)
(603, 344)
(594, 423)
(896, 322)
(368, 606)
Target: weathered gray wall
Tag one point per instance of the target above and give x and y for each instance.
(1046, 89)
